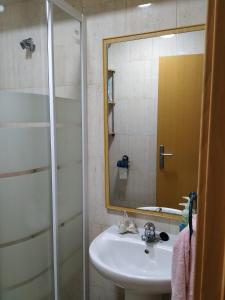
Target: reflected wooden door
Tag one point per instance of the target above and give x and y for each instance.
(179, 111)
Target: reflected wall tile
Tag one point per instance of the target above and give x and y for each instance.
(123, 144)
(114, 152)
(140, 50)
(191, 12)
(118, 53)
(183, 42)
(164, 47)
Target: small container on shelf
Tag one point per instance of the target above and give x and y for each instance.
(111, 133)
(110, 86)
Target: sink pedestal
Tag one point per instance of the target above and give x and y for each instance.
(129, 295)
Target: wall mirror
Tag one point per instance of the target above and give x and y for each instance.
(153, 85)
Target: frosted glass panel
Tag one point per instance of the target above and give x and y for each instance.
(68, 140)
(24, 148)
(25, 178)
(68, 110)
(36, 289)
(23, 107)
(70, 192)
(25, 202)
(69, 155)
(68, 246)
(24, 261)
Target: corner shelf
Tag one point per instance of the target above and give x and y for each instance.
(110, 99)
(111, 102)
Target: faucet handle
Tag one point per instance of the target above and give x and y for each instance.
(149, 235)
(149, 226)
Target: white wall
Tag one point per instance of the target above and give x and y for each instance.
(107, 19)
(136, 66)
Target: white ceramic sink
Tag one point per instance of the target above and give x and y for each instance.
(122, 259)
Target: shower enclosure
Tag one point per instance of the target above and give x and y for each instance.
(42, 151)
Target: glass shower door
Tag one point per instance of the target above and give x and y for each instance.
(25, 180)
(34, 184)
(67, 66)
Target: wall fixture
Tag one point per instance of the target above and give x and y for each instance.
(145, 5)
(2, 8)
(28, 44)
(168, 36)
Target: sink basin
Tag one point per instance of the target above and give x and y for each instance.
(123, 259)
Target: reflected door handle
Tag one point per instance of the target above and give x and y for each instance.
(162, 154)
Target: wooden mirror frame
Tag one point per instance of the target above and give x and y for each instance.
(119, 39)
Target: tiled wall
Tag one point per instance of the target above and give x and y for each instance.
(18, 72)
(27, 18)
(107, 19)
(136, 66)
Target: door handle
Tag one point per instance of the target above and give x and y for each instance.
(162, 154)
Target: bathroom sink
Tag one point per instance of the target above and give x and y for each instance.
(132, 264)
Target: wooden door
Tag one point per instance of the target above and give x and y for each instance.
(210, 256)
(179, 113)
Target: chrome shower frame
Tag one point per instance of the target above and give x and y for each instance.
(81, 19)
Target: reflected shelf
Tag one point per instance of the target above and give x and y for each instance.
(111, 102)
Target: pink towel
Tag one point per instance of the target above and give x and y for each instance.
(183, 265)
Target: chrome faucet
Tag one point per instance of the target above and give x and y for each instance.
(149, 235)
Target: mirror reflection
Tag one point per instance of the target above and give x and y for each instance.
(153, 113)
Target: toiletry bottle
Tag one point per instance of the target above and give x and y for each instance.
(185, 213)
(124, 223)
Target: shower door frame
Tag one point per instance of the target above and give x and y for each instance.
(83, 73)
